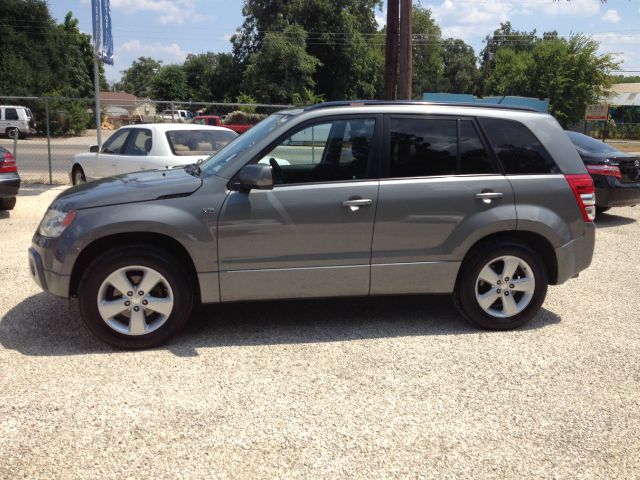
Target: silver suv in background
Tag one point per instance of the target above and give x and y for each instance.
(16, 120)
(338, 199)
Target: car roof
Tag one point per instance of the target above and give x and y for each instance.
(378, 103)
(163, 127)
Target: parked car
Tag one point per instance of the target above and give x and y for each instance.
(147, 147)
(215, 120)
(176, 115)
(16, 120)
(9, 180)
(616, 174)
(491, 204)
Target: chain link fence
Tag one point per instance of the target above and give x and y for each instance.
(66, 126)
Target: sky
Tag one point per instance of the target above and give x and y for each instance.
(168, 30)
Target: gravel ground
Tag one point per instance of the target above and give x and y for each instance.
(392, 387)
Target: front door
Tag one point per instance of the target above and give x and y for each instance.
(311, 235)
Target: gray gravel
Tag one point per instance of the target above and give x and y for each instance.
(392, 387)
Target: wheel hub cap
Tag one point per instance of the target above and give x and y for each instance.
(505, 286)
(141, 313)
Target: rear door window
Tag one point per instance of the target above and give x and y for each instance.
(424, 147)
(517, 148)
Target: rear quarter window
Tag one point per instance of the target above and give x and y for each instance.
(517, 148)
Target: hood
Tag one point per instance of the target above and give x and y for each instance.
(129, 188)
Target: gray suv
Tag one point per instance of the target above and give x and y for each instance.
(338, 199)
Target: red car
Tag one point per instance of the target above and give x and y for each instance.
(216, 121)
(9, 180)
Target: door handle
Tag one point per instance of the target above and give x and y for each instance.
(354, 204)
(486, 197)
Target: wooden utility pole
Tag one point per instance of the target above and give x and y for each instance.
(406, 48)
(391, 52)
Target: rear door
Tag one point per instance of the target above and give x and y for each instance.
(441, 188)
(311, 235)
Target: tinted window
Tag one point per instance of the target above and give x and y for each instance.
(115, 143)
(330, 151)
(140, 143)
(517, 148)
(198, 142)
(423, 147)
(474, 159)
(429, 147)
(10, 114)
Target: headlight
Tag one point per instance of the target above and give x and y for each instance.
(55, 222)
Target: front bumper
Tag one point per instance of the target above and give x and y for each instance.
(575, 256)
(9, 185)
(47, 279)
(611, 193)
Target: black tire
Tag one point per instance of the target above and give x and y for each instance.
(602, 209)
(7, 203)
(78, 176)
(12, 132)
(129, 256)
(469, 280)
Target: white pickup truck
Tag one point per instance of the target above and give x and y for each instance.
(181, 116)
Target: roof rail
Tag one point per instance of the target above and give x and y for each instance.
(366, 103)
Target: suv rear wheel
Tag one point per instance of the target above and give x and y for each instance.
(501, 287)
(135, 297)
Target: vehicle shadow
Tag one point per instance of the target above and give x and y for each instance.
(43, 325)
(4, 214)
(608, 220)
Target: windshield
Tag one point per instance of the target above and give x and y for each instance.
(590, 145)
(214, 164)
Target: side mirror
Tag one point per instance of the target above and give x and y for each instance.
(94, 149)
(256, 176)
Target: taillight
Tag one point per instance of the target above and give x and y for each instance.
(8, 164)
(585, 193)
(609, 170)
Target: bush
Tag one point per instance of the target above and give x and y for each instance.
(68, 117)
(239, 118)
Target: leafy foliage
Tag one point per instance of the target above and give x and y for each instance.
(39, 57)
(138, 77)
(170, 83)
(282, 67)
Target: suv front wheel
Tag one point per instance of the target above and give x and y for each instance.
(135, 297)
(501, 287)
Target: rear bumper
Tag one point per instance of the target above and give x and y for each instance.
(9, 185)
(575, 256)
(611, 193)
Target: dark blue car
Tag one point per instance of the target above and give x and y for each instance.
(616, 174)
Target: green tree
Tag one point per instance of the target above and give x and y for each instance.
(505, 36)
(427, 52)
(225, 81)
(199, 70)
(78, 60)
(170, 84)
(571, 73)
(340, 34)
(137, 79)
(625, 79)
(460, 72)
(282, 68)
